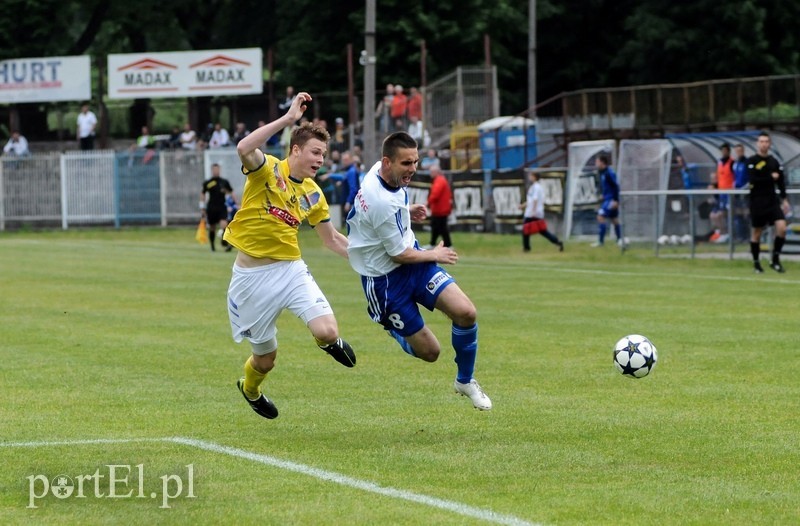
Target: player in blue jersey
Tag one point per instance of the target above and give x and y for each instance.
(397, 276)
(609, 209)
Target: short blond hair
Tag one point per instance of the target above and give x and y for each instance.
(307, 131)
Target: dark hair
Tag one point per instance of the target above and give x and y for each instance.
(397, 141)
(604, 159)
(724, 145)
(763, 133)
(307, 131)
(738, 145)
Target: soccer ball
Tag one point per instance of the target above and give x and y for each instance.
(635, 356)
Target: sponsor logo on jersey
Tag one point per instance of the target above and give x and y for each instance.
(280, 181)
(437, 280)
(308, 200)
(284, 216)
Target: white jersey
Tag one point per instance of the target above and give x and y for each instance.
(535, 193)
(378, 226)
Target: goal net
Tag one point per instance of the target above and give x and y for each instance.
(644, 165)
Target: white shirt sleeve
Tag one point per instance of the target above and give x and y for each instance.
(391, 234)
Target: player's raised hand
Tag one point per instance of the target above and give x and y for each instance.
(418, 212)
(444, 255)
(299, 106)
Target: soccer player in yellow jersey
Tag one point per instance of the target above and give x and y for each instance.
(269, 274)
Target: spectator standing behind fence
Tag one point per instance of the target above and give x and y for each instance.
(17, 145)
(725, 179)
(429, 161)
(86, 124)
(766, 209)
(188, 138)
(384, 109)
(440, 204)
(352, 179)
(533, 221)
(418, 132)
(398, 108)
(240, 132)
(609, 209)
(337, 138)
(287, 102)
(219, 138)
(740, 218)
(414, 104)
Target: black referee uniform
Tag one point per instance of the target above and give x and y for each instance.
(216, 211)
(765, 203)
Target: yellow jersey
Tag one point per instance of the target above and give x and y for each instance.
(273, 206)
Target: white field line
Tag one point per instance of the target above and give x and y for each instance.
(320, 474)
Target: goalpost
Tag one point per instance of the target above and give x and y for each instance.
(582, 200)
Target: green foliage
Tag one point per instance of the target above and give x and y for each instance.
(580, 44)
(779, 112)
(124, 334)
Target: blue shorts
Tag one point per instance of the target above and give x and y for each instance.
(607, 211)
(392, 299)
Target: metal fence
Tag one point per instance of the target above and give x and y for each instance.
(682, 221)
(105, 187)
(713, 104)
(466, 96)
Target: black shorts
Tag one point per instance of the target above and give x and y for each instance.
(215, 215)
(762, 217)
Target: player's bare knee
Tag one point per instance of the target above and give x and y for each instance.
(263, 363)
(325, 332)
(465, 315)
(428, 354)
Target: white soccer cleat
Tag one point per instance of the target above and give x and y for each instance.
(475, 393)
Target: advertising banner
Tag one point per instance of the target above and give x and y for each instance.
(185, 73)
(45, 79)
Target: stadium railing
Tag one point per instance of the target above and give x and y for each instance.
(686, 220)
(106, 187)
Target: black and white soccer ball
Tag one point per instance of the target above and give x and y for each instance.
(635, 356)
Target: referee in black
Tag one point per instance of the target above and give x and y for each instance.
(214, 210)
(766, 208)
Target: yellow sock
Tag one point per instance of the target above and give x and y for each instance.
(321, 343)
(252, 379)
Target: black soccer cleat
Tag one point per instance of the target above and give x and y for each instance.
(341, 352)
(777, 267)
(261, 405)
(757, 267)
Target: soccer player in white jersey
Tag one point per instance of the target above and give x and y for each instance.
(397, 275)
(533, 221)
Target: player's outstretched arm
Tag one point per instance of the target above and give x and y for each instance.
(333, 240)
(248, 148)
(439, 254)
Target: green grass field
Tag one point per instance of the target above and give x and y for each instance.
(123, 336)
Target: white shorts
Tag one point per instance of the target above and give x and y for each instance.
(257, 296)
